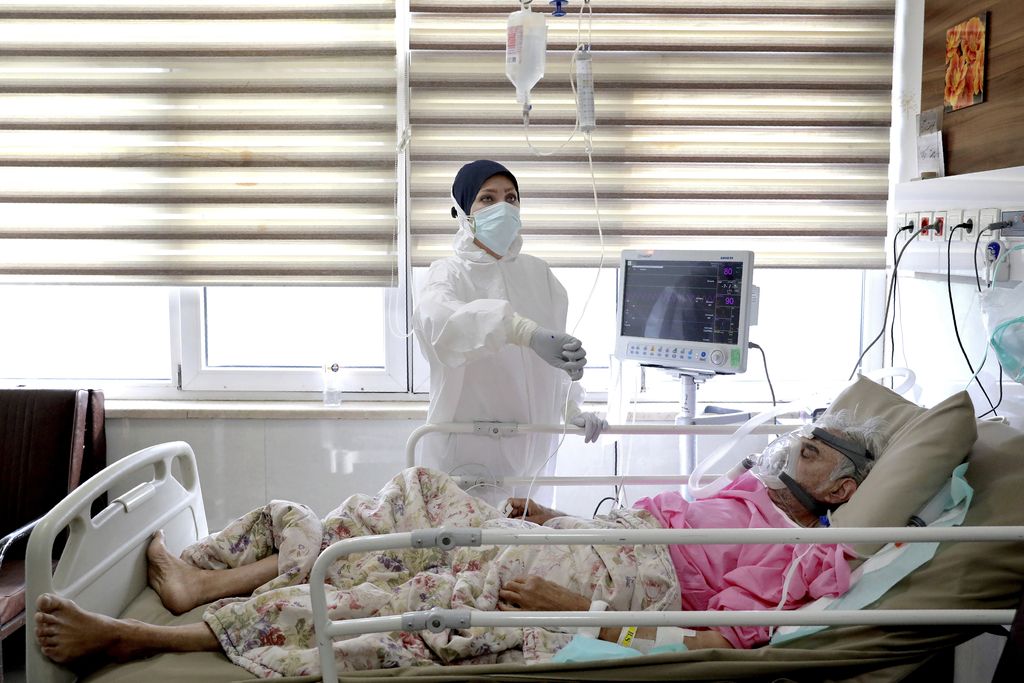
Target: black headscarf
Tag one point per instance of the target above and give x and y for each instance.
(472, 176)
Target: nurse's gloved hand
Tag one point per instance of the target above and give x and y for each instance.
(560, 350)
(592, 426)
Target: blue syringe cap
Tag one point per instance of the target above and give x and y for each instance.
(559, 11)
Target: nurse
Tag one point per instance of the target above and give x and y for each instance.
(491, 322)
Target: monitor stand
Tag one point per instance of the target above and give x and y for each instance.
(712, 415)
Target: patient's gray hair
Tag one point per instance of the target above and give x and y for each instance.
(869, 433)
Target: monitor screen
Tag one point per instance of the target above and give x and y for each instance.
(685, 309)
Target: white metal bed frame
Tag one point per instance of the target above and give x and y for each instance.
(103, 563)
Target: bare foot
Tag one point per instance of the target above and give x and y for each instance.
(176, 582)
(67, 633)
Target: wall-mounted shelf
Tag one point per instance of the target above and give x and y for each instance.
(1002, 188)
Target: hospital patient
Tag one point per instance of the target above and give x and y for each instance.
(264, 559)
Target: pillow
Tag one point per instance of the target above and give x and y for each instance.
(987, 575)
(924, 447)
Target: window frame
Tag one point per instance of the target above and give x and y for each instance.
(195, 375)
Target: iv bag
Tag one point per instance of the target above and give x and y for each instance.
(525, 50)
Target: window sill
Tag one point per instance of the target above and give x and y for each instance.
(309, 410)
(266, 410)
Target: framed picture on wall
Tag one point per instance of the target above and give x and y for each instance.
(965, 63)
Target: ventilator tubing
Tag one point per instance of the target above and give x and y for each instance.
(806, 404)
(909, 378)
(698, 491)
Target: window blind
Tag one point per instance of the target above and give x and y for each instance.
(727, 124)
(198, 142)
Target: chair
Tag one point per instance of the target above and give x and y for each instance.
(50, 441)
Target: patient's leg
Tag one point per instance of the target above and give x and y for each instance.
(182, 586)
(67, 633)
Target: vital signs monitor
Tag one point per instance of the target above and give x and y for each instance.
(689, 310)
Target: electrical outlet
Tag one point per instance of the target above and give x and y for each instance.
(954, 217)
(938, 231)
(911, 219)
(988, 217)
(924, 221)
(973, 215)
(1017, 229)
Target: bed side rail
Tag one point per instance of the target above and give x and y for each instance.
(102, 566)
(500, 430)
(437, 620)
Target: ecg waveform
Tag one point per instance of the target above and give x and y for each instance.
(697, 302)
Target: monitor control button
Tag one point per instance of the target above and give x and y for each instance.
(717, 357)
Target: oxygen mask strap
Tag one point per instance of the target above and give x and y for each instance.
(810, 503)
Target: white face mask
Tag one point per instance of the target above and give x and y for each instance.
(496, 227)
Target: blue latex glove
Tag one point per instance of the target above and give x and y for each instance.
(591, 424)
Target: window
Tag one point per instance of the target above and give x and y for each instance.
(241, 162)
(58, 332)
(279, 338)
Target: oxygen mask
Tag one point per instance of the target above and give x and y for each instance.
(780, 457)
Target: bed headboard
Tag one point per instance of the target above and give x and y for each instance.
(102, 565)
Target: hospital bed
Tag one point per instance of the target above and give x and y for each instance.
(102, 567)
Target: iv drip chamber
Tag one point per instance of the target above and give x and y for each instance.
(525, 50)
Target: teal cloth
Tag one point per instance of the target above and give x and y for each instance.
(584, 649)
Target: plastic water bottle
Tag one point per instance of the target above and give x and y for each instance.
(332, 384)
(525, 50)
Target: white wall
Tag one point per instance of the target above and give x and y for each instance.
(925, 336)
(243, 463)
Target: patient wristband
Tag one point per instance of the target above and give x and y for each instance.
(627, 635)
(593, 631)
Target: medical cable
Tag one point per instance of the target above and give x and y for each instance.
(952, 309)
(885, 313)
(1000, 400)
(768, 377)
(790, 571)
(529, 490)
(620, 488)
(989, 228)
(504, 490)
(897, 306)
(601, 502)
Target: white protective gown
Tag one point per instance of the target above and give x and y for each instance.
(461, 319)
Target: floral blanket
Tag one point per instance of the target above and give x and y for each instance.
(271, 633)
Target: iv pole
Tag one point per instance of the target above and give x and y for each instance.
(713, 415)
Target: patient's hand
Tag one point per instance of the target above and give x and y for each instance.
(534, 594)
(535, 512)
(706, 639)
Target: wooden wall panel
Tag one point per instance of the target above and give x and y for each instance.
(991, 134)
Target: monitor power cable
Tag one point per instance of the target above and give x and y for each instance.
(967, 226)
(764, 359)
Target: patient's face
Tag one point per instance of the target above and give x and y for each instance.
(815, 465)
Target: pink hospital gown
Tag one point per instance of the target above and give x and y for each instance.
(745, 577)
